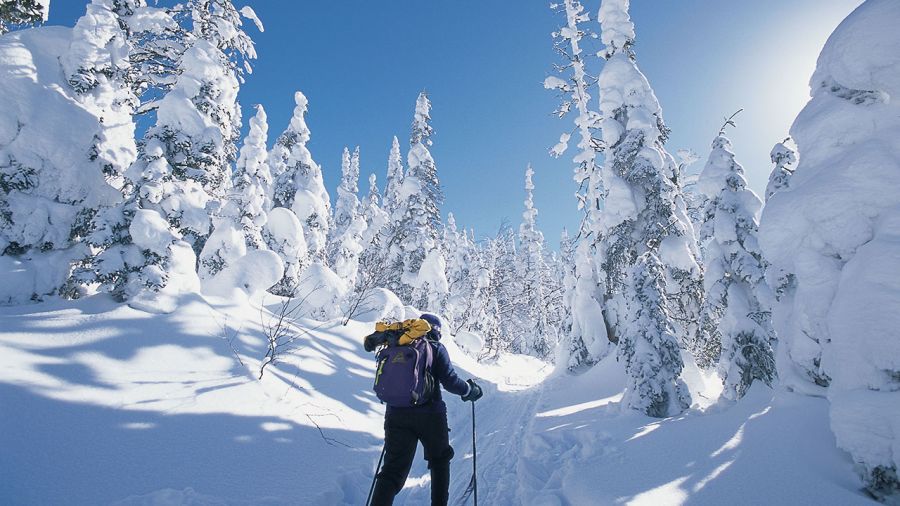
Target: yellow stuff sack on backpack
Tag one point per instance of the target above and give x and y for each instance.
(413, 329)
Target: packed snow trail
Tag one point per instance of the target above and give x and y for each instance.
(502, 420)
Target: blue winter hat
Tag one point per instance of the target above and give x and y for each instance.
(435, 323)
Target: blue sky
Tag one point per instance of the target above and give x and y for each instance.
(362, 64)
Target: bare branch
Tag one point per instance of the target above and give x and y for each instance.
(729, 121)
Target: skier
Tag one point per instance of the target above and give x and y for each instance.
(405, 427)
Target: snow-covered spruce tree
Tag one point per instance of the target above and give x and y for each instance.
(373, 272)
(422, 281)
(587, 337)
(784, 156)
(253, 182)
(376, 219)
(538, 337)
(553, 301)
(97, 62)
(47, 209)
(347, 204)
(644, 210)
(485, 315)
(198, 122)
(478, 312)
(393, 205)
(240, 222)
(737, 299)
(346, 243)
(283, 234)
(567, 281)
(18, 13)
(298, 181)
(588, 340)
(183, 173)
(392, 195)
(460, 254)
(833, 241)
(649, 346)
(97, 66)
(372, 238)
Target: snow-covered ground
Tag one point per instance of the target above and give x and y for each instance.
(104, 404)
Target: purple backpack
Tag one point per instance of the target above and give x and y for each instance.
(403, 375)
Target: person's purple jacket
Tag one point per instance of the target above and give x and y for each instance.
(444, 375)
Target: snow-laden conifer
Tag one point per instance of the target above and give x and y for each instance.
(566, 274)
(492, 305)
(784, 156)
(373, 272)
(375, 216)
(183, 172)
(239, 225)
(649, 346)
(416, 244)
(97, 66)
(198, 122)
(347, 206)
(45, 205)
(346, 243)
(395, 207)
(17, 13)
(372, 239)
(538, 337)
(392, 195)
(833, 242)
(298, 181)
(587, 333)
(737, 300)
(588, 341)
(643, 210)
(283, 234)
(460, 254)
(253, 181)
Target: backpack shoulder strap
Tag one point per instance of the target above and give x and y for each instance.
(429, 352)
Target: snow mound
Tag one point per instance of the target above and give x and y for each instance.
(25, 278)
(249, 275)
(284, 227)
(223, 247)
(321, 292)
(150, 231)
(469, 342)
(380, 304)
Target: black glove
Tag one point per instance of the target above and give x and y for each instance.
(475, 392)
(373, 341)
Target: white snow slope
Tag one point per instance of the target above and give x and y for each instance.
(104, 404)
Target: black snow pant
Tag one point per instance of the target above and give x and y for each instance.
(402, 432)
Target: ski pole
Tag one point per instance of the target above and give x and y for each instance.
(375, 477)
(474, 456)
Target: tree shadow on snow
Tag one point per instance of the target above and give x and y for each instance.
(57, 450)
